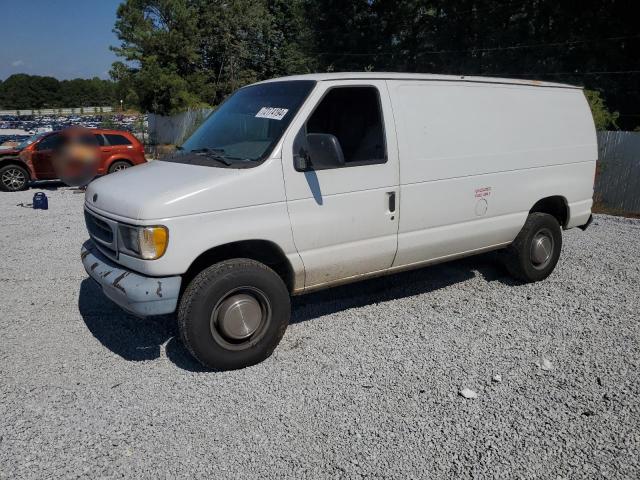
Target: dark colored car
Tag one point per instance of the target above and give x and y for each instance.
(32, 159)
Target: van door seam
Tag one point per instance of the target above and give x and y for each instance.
(398, 212)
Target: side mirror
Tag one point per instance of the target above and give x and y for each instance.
(324, 151)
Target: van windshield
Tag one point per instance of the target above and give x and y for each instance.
(246, 127)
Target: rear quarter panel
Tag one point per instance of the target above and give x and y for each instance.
(133, 153)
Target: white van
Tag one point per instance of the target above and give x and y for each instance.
(305, 182)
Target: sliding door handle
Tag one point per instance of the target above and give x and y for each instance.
(392, 201)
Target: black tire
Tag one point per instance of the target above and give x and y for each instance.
(535, 252)
(13, 178)
(201, 318)
(119, 165)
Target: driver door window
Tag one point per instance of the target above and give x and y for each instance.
(353, 115)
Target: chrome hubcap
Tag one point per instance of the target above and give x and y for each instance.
(541, 248)
(120, 167)
(240, 318)
(13, 178)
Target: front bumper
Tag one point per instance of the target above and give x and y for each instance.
(135, 293)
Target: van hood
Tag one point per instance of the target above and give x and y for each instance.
(161, 190)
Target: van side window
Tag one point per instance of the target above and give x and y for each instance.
(116, 139)
(353, 115)
(100, 139)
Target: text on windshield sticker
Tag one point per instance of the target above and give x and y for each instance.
(272, 113)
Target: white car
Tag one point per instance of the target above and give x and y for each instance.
(302, 183)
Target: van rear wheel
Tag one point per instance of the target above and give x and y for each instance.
(233, 314)
(535, 252)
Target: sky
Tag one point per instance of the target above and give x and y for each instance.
(59, 38)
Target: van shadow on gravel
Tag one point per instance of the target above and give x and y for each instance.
(397, 286)
(137, 339)
(132, 338)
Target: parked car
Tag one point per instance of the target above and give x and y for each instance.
(32, 159)
(302, 183)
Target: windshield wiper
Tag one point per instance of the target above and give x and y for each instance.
(215, 153)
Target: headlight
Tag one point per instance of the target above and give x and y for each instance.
(148, 243)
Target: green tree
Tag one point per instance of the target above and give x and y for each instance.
(200, 50)
(183, 53)
(594, 46)
(22, 91)
(159, 41)
(287, 39)
(29, 91)
(602, 117)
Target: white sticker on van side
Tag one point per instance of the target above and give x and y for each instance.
(272, 113)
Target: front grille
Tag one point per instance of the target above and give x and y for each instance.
(109, 252)
(98, 228)
(103, 232)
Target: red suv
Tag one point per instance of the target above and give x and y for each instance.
(31, 160)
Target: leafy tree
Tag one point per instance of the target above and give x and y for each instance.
(184, 53)
(22, 91)
(594, 46)
(602, 117)
(287, 39)
(159, 39)
(176, 54)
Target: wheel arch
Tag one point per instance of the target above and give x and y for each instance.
(18, 162)
(556, 206)
(264, 251)
(113, 160)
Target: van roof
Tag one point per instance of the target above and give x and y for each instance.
(419, 76)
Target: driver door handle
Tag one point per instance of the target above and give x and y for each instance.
(392, 201)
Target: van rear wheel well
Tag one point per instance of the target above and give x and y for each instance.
(555, 206)
(262, 251)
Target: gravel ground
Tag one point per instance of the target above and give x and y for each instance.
(366, 382)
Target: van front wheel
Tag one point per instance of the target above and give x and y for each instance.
(233, 314)
(535, 252)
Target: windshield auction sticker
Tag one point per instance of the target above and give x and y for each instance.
(272, 113)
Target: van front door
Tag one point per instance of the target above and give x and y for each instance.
(344, 215)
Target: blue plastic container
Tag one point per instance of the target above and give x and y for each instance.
(40, 201)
